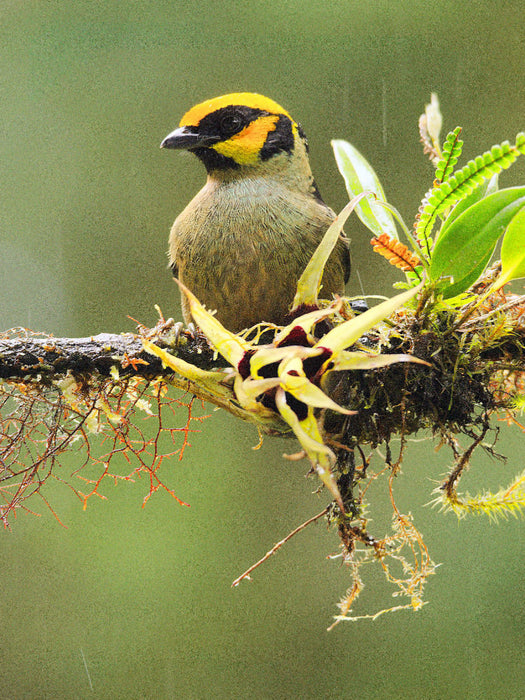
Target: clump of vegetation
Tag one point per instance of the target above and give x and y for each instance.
(445, 354)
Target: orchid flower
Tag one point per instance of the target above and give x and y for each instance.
(282, 382)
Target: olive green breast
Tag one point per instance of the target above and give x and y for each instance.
(240, 246)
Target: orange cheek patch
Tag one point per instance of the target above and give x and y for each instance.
(244, 147)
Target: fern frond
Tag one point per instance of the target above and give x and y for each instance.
(461, 183)
(395, 252)
(451, 152)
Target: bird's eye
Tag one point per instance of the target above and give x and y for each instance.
(231, 123)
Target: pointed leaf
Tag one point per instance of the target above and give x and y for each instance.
(513, 250)
(349, 332)
(359, 176)
(232, 347)
(365, 360)
(470, 240)
(455, 289)
(310, 281)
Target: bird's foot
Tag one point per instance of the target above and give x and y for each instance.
(180, 331)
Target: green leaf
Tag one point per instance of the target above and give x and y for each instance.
(366, 360)
(451, 151)
(488, 187)
(458, 287)
(513, 250)
(464, 249)
(462, 183)
(359, 176)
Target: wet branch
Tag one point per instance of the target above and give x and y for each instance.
(29, 356)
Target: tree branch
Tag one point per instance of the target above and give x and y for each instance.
(27, 355)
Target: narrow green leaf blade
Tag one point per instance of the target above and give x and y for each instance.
(359, 176)
(461, 251)
(309, 283)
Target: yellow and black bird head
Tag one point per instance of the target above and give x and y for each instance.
(241, 130)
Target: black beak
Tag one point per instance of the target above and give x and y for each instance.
(188, 137)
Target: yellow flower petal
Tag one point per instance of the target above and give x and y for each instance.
(365, 360)
(212, 381)
(307, 432)
(303, 390)
(347, 333)
(270, 355)
(232, 347)
(310, 281)
(248, 390)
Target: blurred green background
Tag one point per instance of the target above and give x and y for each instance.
(136, 603)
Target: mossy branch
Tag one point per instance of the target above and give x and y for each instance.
(26, 355)
(342, 382)
(464, 363)
(58, 394)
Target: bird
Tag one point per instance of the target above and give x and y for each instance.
(243, 241)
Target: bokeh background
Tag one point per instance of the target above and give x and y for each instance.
(136, 603)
